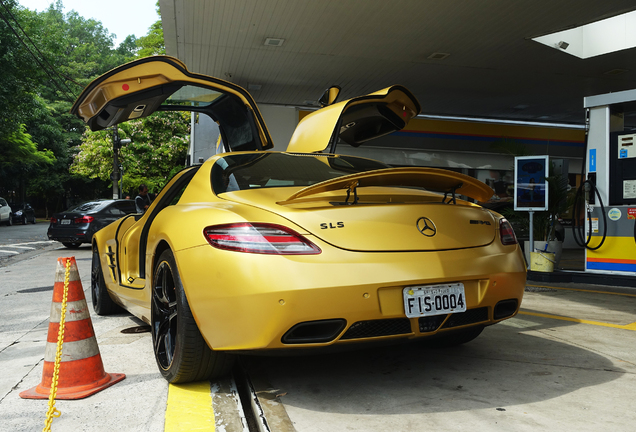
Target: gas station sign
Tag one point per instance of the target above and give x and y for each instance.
(531, 186)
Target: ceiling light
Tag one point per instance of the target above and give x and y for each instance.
(254, 86)
(615, 72)
(597, 38)
(274, 42)
(438, 56)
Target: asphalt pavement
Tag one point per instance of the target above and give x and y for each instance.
(20, 241)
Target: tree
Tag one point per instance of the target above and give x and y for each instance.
(157, 151)
(19, 78)
(46, 58)
(152, 43)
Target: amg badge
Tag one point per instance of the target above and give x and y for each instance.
(479, 222)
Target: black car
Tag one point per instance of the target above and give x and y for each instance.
(78, 224)
(22, 213)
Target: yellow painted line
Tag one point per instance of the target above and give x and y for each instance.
(580, 290)
(189, 408)
(631, 326)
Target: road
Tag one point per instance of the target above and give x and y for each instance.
(20, 241)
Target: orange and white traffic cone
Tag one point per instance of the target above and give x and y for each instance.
(81, 371)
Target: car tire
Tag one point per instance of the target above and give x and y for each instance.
(180, 350)
(10, 221)
(24, 221)
(455, 337)
(102, 303)
(33, 221)
(71, 245)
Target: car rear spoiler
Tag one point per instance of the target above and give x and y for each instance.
(431, 179)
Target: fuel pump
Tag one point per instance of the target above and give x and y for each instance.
(606, 201)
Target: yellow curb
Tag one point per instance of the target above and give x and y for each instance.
(631, 326)
(189, 408)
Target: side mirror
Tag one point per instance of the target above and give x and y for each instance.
(329, 96)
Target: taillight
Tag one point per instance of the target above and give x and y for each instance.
(506, 233)
(53, 220)
(84, 219)
(259, 238)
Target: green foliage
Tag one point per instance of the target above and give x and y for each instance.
(152, 43)
(157, 151)
(19, 149)
(47, 58)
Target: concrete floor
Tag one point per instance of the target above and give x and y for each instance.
(567, 362)
(530, 373)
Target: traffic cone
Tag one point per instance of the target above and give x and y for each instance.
(81, 371)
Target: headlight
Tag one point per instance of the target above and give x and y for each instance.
(18, 213)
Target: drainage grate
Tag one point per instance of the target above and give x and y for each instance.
(471, 316)
(388, 327)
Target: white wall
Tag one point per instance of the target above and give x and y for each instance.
(281, 122)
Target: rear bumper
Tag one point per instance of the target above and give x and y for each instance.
(249, 302)
(69, 236)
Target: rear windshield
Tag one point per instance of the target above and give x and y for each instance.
(252, 171)
(88, 206)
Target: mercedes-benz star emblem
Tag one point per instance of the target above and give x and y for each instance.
(426, 227)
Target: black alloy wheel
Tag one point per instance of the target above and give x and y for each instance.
(102, 303)
(180, 350)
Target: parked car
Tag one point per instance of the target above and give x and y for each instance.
(78, 224)
(310, 249)
(6, 214)
(23, 213)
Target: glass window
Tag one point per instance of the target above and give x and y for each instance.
(252, 171)
(88, 206)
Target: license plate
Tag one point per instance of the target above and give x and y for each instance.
(65, 221)
(429, 300)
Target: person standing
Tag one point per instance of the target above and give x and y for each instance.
(142, 201)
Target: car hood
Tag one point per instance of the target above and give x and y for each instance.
(390, 214)
(139, 88)
(355, 121)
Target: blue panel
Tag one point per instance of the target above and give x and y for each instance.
(611, 266)
(592, 168)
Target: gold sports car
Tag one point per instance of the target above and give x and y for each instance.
(255, 251)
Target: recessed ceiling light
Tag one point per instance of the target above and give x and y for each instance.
(254, 86)
(615, 72)
(438, 56)
(274, 42)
